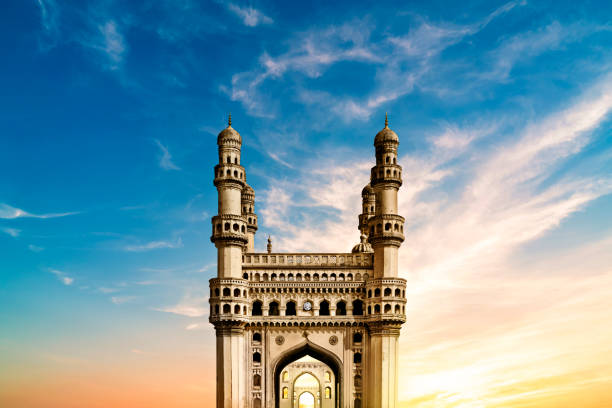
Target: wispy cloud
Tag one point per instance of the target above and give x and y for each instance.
(8, 212)
(13, 232)
(49, 15)
(35, 248)
(107, 40)
(401, 61)
(193, 304)
(250, 16)
(155, 245)
(119, 300)
(62, 276)
(165, 162)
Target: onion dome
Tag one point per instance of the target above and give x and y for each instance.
(363, 246)
(386, 135)
(229, 134)
(367, 190)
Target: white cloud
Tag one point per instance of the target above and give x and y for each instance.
(113, 43)
(62, 276)
(155, 245)
(250, 16)
(35, 248)
(193, 304)
(196, 326)
(13, 232)
(8, 212)
(401, 62)
(166, 162)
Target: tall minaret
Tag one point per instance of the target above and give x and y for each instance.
(386, 226)
(228, 304)
(248, 212)
(385, 291)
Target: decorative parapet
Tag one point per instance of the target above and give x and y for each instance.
(296, 260)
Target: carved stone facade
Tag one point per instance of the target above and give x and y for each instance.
(275, 313)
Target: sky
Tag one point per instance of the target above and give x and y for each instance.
(109, 112)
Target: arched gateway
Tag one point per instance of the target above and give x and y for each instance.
(307, 330)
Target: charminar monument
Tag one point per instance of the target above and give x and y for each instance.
(307, 330)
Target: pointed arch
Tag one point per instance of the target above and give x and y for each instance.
(308, 349)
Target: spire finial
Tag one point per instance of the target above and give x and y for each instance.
(229, 120)
(269, 246)
(386, 120)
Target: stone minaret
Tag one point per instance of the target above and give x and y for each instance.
(230, 236)
(386, 234)
(248, 212)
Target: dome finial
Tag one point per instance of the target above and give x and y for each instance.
(229, 120)
(386, 120)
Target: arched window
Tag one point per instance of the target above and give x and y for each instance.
(285, 392)
(370, 293)
(237, 309)
(341, 308)
(324, 308)
(256, 357)
(387, 308)
(357, 381)
(285, 376)
(376, 292)
(217, 309)
(357, 307)
(256, 311)
(274, 310)
(398, 292)
(217, 292)
(387, 291)
(227, 226)
(357, 338)
(291, 309)
(257, 380)
(397, 308)
(327, 392)
(227, 308)
(256, 337)
(376, 308)
(236, 292)
(226, 292)
(369, 309)
(245, 276)
(357, 358)
(327, 376)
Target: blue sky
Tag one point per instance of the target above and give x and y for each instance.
(109, 113)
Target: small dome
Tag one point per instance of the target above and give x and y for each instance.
(367, 190)
(228, 134)
(248, 189)
(363, 246)
(386, 134)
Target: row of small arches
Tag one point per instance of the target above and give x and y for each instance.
(305, 290)
(341, 277)
(228, 173)
(228, 227)
(387, 292)
(291, 308)
(397, 227)
(324, 309)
